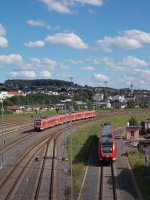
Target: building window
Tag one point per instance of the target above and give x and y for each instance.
(132, 133)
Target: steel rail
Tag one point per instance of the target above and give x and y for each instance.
(8, 196)
(3, 182)
(41, 173)
(44, 141)
(101, 185)
(114, 182)
(52, 172)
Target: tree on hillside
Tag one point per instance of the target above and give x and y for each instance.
(131, 104)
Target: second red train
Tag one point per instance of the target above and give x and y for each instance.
(50, 121)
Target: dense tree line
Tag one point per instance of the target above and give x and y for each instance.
(37, 83)
(32, 99)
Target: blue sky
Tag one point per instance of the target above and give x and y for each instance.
(93, 41)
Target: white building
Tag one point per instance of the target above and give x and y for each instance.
(98, 97)
(4, 95)
(118, 98)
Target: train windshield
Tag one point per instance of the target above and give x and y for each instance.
(38, 122)
(107, 147)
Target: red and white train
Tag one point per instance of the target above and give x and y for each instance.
(50, 121)
(107, 151)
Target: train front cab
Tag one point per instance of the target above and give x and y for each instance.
(107, 153)
(37, 124)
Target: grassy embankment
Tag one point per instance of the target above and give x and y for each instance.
(28, 115)
(141, 173)
(85, 138)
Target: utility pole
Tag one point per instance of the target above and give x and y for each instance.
(3, 142)
(71, 80)
(105, 89)
(65, 130)
(71, 106)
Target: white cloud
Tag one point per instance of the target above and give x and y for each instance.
(101, 77)
(119, 42)
(127, 79)
(57, 5)
(19, 64)
(138, 35)
(22, 74)
(64, 67)
(2, 30)
(11, 59)
(143, 74)
(76, 62)
(57, 27)
(106, 60)
(88, 68)
(139, 78)
(38, 43)
(49, 63)
(3, 40)
(92, 2)
(35, 61)
(127, 64)
(67, 39)
(134, 62)
(64, 6)
(45, 62)
(46, 74)
(64, 76)
(130, 39)
(39, 23)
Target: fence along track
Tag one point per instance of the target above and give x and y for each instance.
(107, 190)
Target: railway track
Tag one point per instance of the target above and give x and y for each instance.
(45, 162)
(13, 178)
(9, 146)
(107, 189)
(45, 186)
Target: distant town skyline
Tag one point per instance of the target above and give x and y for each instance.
(96, 42)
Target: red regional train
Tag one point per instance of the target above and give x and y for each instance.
(107, 151)
(50, 121)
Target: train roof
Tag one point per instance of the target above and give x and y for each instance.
(107, 134)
